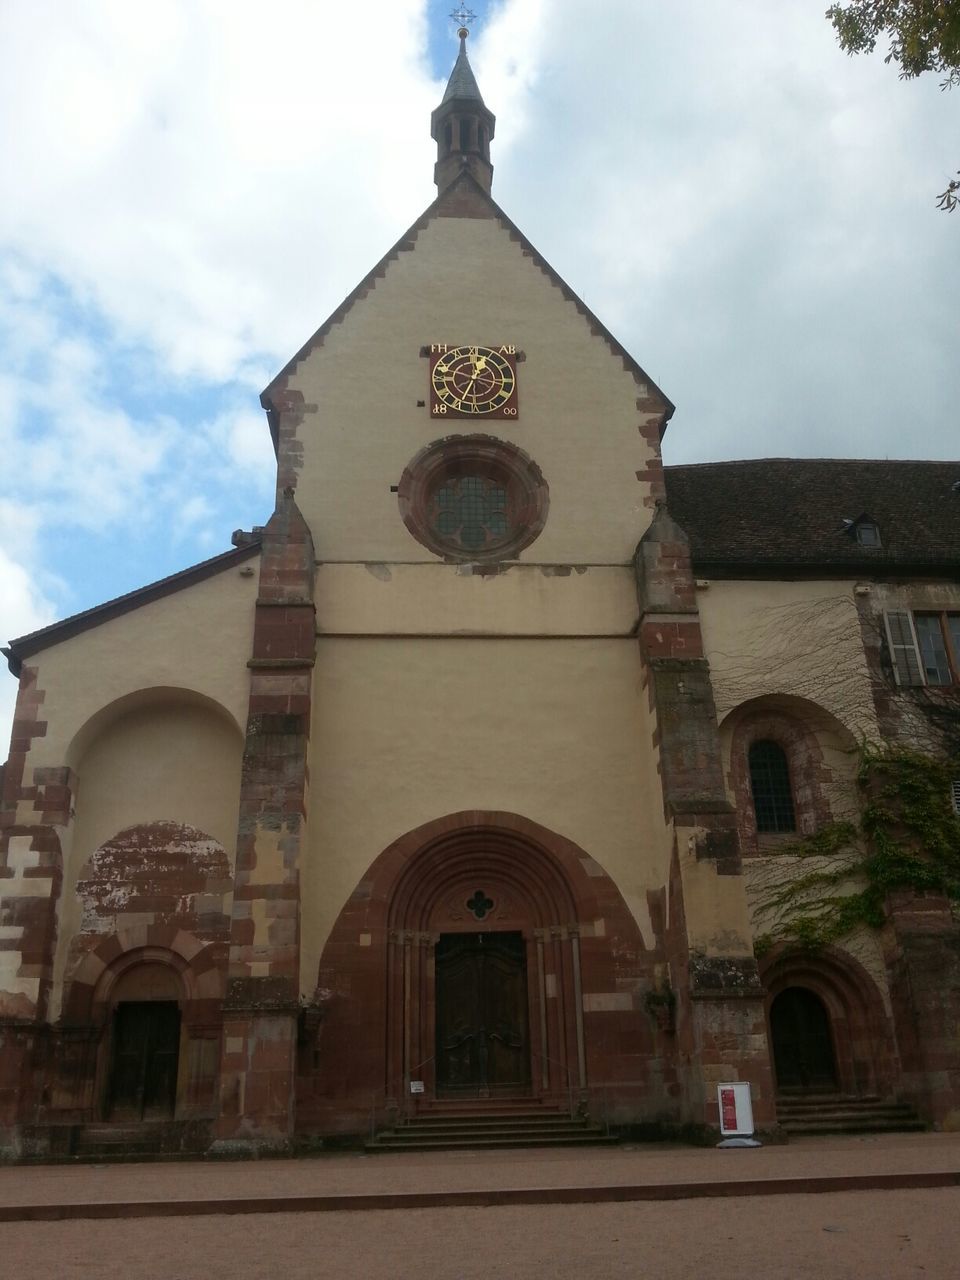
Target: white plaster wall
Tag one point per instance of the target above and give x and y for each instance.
(198, 638)
(529, 600)
(169, 760)
(467, 281)
(797, 638)
(406, 731)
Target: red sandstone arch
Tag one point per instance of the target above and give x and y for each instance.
(587, 963)
(170, 877)
(200, 968)
(110, 971)
(801, 728)
(863, 1037)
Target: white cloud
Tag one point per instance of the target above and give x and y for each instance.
(181, 171)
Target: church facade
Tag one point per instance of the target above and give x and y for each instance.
(458, 784)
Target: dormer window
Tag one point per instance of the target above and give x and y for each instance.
(863, 530)
(868, 533)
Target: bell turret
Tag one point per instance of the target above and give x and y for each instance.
(462, 126)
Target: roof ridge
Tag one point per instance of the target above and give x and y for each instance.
(882, 462)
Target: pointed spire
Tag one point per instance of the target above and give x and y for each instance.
(462, 82)
(462, 126)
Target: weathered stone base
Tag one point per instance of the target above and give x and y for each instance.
(923, 964)
(731, 1038)
(17, 1092)
(257, 1071)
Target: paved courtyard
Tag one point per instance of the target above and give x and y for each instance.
(885, 1234)
(888, 1235)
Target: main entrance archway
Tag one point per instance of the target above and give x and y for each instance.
(480, 956)
(485, 993)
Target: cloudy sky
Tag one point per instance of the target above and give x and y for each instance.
(191, 186)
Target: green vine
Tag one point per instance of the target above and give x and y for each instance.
(908, 838)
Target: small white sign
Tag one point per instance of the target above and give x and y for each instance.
(416, 1086)
(736, 1109)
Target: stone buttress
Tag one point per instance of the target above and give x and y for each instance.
(721, 1028)
(262, 1001)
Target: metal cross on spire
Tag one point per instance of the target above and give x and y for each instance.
(463, 17)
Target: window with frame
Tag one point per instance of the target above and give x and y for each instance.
(771, 788)
(868, 533)
(473, 498)
(924, 646)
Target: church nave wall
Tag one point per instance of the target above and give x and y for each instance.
(516, 599)
(407, 731)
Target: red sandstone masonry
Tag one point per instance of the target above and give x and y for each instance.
(720, 1019)
(261, 1007)
(543, 886)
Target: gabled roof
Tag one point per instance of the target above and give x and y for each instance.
(25, 646)
(464, 197)
(782, 514)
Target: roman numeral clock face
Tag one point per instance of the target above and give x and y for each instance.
(473, 382)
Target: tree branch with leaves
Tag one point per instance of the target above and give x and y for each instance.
(923, 35)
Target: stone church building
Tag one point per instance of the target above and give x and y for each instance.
(453, 788)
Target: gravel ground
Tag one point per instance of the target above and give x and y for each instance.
(887, 1235)
(467, 1170)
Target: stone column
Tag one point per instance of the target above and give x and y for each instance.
(262, 999)
(721, 1031)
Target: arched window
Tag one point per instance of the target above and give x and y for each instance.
(770, 784)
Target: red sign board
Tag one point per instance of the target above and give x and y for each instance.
(728, 1109)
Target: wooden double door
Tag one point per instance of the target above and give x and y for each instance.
(146, 1051)
(482, 1021)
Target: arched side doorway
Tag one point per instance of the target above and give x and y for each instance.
(481, 956)
(801, 1041)
(829, 1029)
(141, 1027)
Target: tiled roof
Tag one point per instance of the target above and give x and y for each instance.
(462, 82)
(790, 512)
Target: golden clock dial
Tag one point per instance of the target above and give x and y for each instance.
(474, 381)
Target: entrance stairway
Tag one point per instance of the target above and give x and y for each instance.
(496, 1126)
(826, 1113)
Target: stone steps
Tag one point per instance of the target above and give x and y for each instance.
(835, 1114)
(490, 1129)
